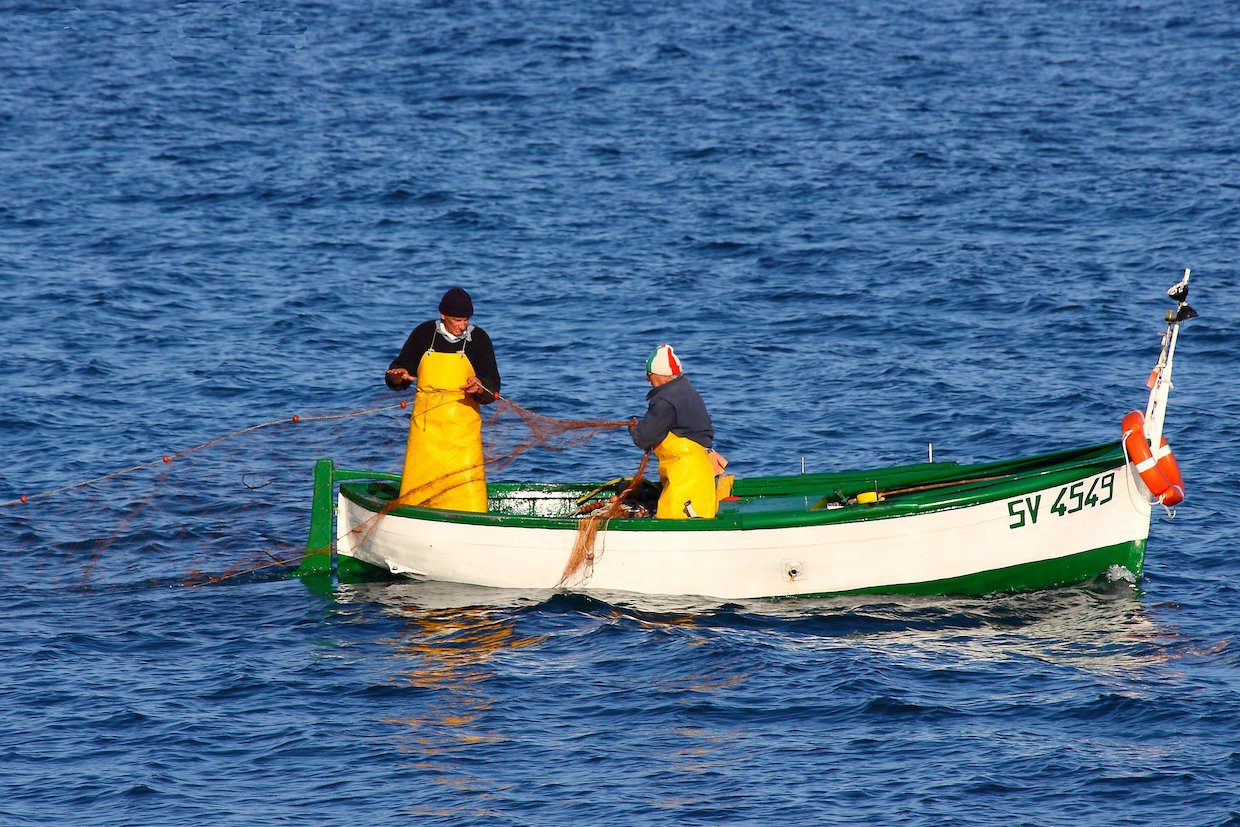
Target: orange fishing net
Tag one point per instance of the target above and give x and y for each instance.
(509, 431)
(503, 444)
(581, 559)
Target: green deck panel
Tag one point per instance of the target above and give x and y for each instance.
(855, 481)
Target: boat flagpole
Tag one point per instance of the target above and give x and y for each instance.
(1160, 379)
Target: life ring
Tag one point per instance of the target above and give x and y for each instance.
(1159, 470)
(1170, 469)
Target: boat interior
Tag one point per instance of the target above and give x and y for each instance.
(753, 501)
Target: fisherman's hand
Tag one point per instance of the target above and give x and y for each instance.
(397, 376)
(472, 385)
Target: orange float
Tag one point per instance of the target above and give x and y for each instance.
(1159, 470)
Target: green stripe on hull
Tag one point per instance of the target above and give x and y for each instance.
(351, 570)
(1043, 574)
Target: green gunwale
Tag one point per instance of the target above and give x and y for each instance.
(784, 501)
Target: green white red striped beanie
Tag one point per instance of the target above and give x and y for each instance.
(663, 362)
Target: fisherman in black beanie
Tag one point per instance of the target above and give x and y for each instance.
(453, 363)
(450, 333)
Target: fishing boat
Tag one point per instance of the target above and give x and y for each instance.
(1042, 521)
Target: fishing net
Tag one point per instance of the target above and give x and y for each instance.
(503, 442)
(120, 521)
(511, 430)
(580, 562)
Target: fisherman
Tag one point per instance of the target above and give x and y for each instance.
(678, 428)
(453, 363)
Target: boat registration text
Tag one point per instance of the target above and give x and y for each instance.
(1070, 499)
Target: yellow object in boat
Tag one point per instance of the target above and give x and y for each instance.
(870, 497)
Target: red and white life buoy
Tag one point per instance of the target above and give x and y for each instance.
(1158, 469)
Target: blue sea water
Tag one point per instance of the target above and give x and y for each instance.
(866, 226)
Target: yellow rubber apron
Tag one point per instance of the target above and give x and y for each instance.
(688, 476)
(443, 458)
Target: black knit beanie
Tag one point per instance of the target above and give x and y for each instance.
(456, 303)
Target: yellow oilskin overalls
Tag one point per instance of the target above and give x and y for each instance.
(687, 474)
(443, 458)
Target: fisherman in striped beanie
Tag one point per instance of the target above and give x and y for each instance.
(678, 429)
(663, 363)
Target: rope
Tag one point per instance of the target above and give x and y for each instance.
(89, 568)
(199, 579)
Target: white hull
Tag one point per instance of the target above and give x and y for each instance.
(957, 542)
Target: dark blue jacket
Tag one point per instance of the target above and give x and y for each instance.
(675, 407)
